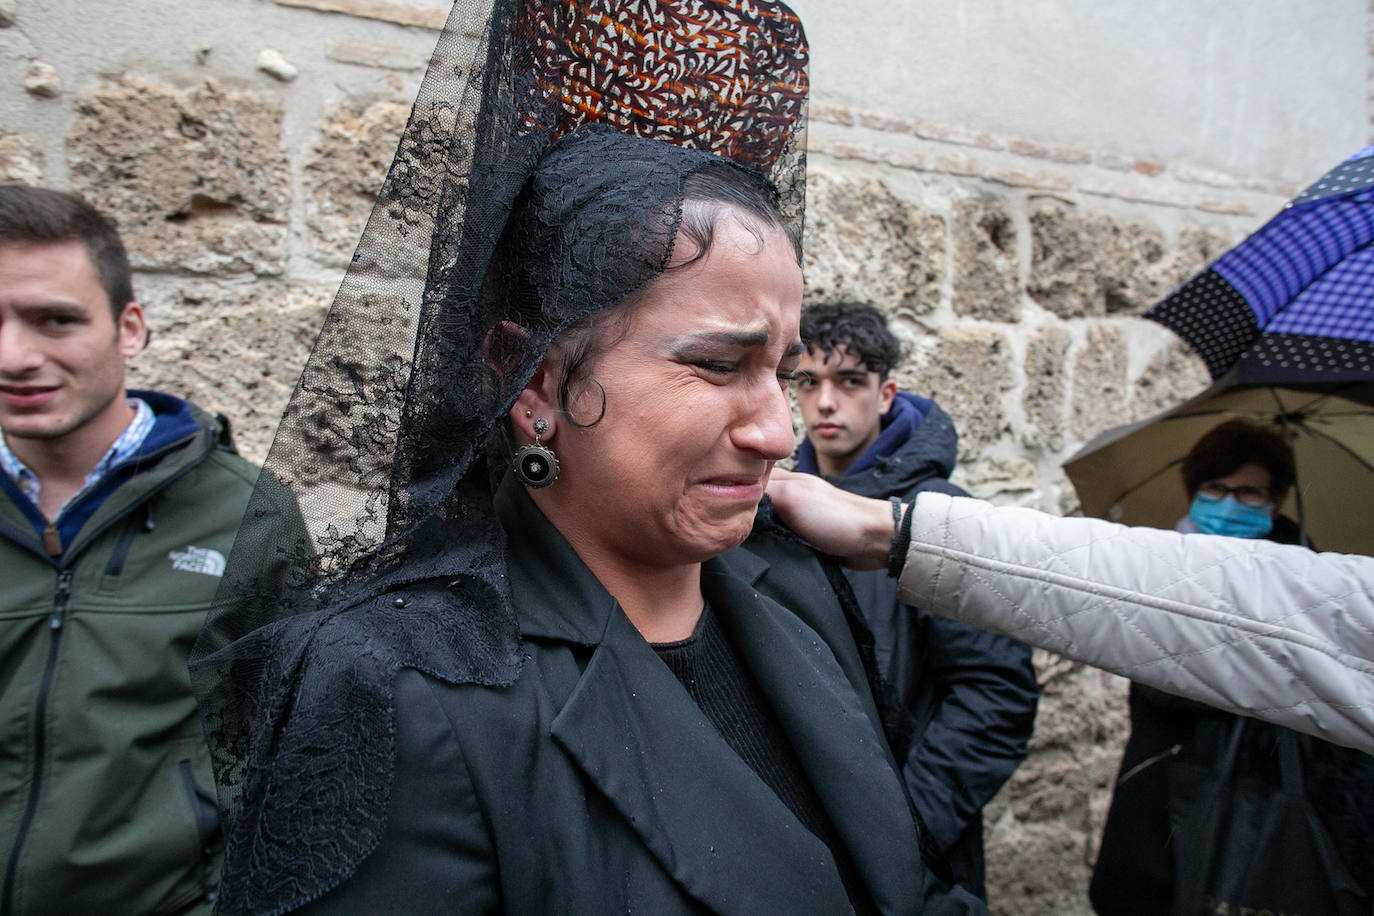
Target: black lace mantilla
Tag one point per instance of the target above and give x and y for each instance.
(532, 186)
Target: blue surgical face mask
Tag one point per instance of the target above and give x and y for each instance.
(1231, 518)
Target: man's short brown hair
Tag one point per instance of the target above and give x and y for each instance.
(38, 215)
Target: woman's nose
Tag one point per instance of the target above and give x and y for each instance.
(766, 425)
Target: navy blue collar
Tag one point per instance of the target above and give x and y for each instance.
(174, 425)
(903, 418)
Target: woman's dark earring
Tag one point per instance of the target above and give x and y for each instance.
(536, 465)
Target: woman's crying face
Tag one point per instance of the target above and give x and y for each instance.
(696, 406)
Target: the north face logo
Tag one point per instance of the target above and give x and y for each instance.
(198, 560)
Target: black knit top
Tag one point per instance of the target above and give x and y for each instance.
(709, 669)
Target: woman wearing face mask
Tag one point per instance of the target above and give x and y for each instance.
(1236, 476)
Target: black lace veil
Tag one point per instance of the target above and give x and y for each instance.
(539, 179)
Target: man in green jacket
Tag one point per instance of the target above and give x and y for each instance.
(117, 513)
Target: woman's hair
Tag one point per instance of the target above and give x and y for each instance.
(1232, 445)
(716, 188)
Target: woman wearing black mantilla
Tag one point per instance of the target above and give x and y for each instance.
(594, 685)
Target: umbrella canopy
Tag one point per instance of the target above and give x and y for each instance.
(1130, 474)
(1294, 302)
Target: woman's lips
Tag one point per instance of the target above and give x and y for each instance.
(26, 396)
(735, 487)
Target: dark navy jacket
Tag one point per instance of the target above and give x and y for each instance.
(972, 695)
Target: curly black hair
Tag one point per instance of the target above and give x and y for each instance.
(855, 327)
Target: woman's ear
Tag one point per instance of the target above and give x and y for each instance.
(538, 400)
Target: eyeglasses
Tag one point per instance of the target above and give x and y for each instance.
(1215, 491)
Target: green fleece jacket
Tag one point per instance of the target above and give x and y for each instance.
(107, 800)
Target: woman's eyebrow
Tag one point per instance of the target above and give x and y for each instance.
(720, 339)
(744, 339)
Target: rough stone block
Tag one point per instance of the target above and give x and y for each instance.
(1130, 267)
(1092, 265)
(966, 369)
(20, 160)
(1046, 387)
(864, 242)
(236, 349)
(1174, 375)
(1197, 247)
(9, 13)
(1063, 271)
(345, 171)
(1042, 867)
(1138, 271)
(197, 179)
(985, 263)
(986, 479)
(1099, 382)
(350, 436)
(1042, 826)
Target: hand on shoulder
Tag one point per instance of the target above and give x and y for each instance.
(856, 529)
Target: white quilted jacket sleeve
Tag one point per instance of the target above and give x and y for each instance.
(1280, 633)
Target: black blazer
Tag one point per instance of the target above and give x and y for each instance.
(594, 784)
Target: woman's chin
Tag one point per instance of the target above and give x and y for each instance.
(715, 539)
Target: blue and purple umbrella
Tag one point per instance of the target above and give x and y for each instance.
(1295, 301)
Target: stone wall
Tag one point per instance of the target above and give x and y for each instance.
(240, 143)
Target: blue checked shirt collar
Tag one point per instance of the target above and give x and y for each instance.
(127, 445)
